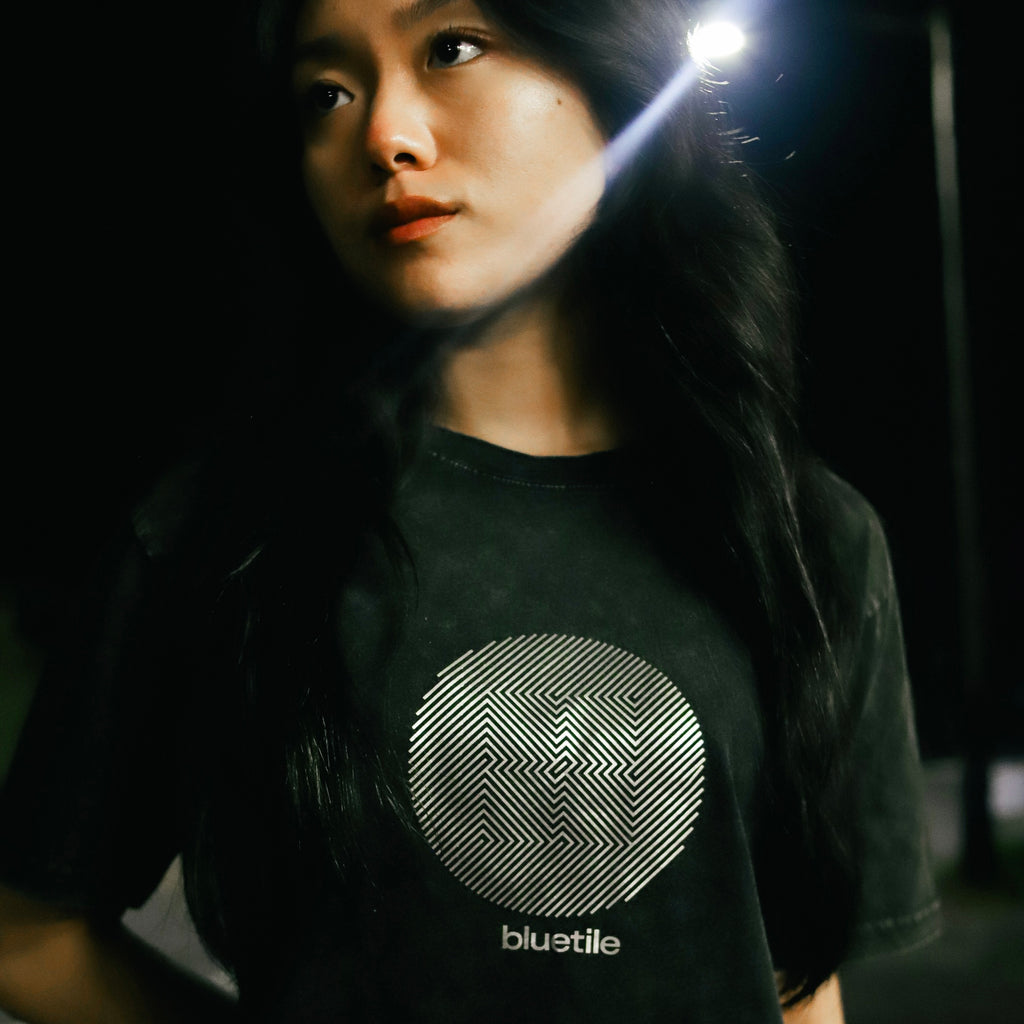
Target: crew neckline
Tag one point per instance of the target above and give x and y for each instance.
(472, 454)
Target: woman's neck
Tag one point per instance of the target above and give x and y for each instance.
(525, 384)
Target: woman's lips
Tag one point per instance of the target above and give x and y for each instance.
(410, 218)
(420, 228)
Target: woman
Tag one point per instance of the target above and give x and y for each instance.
(524, 664)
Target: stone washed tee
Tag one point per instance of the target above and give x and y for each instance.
(580, 733)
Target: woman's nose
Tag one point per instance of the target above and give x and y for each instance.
(398, 134)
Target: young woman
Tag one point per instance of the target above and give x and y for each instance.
(513, 660)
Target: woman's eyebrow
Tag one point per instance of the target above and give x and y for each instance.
(326, 47)
(406, 17)
(330, 47)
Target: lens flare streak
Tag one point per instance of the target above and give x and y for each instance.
(630, 140)
(534, 244)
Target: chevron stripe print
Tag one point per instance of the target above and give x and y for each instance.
(555, 775)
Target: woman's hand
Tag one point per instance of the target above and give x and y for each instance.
(824, 1007)
(57, 968)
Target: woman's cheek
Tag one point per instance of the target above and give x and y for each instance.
(325, 192)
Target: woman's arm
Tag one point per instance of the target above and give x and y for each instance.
(59, 969)
(824, 1007)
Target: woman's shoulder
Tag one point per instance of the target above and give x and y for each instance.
(202, 516)
(171, 505)
(856, 537)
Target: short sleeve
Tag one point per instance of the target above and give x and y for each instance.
(88, 810)
(898, 907)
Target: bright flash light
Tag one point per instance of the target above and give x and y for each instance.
(717, 39)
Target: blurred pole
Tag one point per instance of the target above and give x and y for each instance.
(978, 862)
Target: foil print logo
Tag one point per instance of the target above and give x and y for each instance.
(555, 775)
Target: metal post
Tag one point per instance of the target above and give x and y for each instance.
(978, 861)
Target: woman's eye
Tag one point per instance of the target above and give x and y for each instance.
(324, 97)
(449, 50)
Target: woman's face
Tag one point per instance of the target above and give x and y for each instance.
(448, 168)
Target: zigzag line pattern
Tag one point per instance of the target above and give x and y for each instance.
(555, 775)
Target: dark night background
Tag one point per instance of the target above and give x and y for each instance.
(119, 340)
(124, 339)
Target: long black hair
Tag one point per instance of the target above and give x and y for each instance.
(695, 292)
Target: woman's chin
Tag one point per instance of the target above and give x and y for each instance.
(441, 312)
(441, 308)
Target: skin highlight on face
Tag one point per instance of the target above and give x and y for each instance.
(448, 169)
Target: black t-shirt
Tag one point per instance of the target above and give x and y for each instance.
(582, 741)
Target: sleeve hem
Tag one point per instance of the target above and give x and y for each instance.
(897, 934)
(66, 901)
(73, 892)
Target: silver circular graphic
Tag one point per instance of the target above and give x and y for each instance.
(555, 775)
